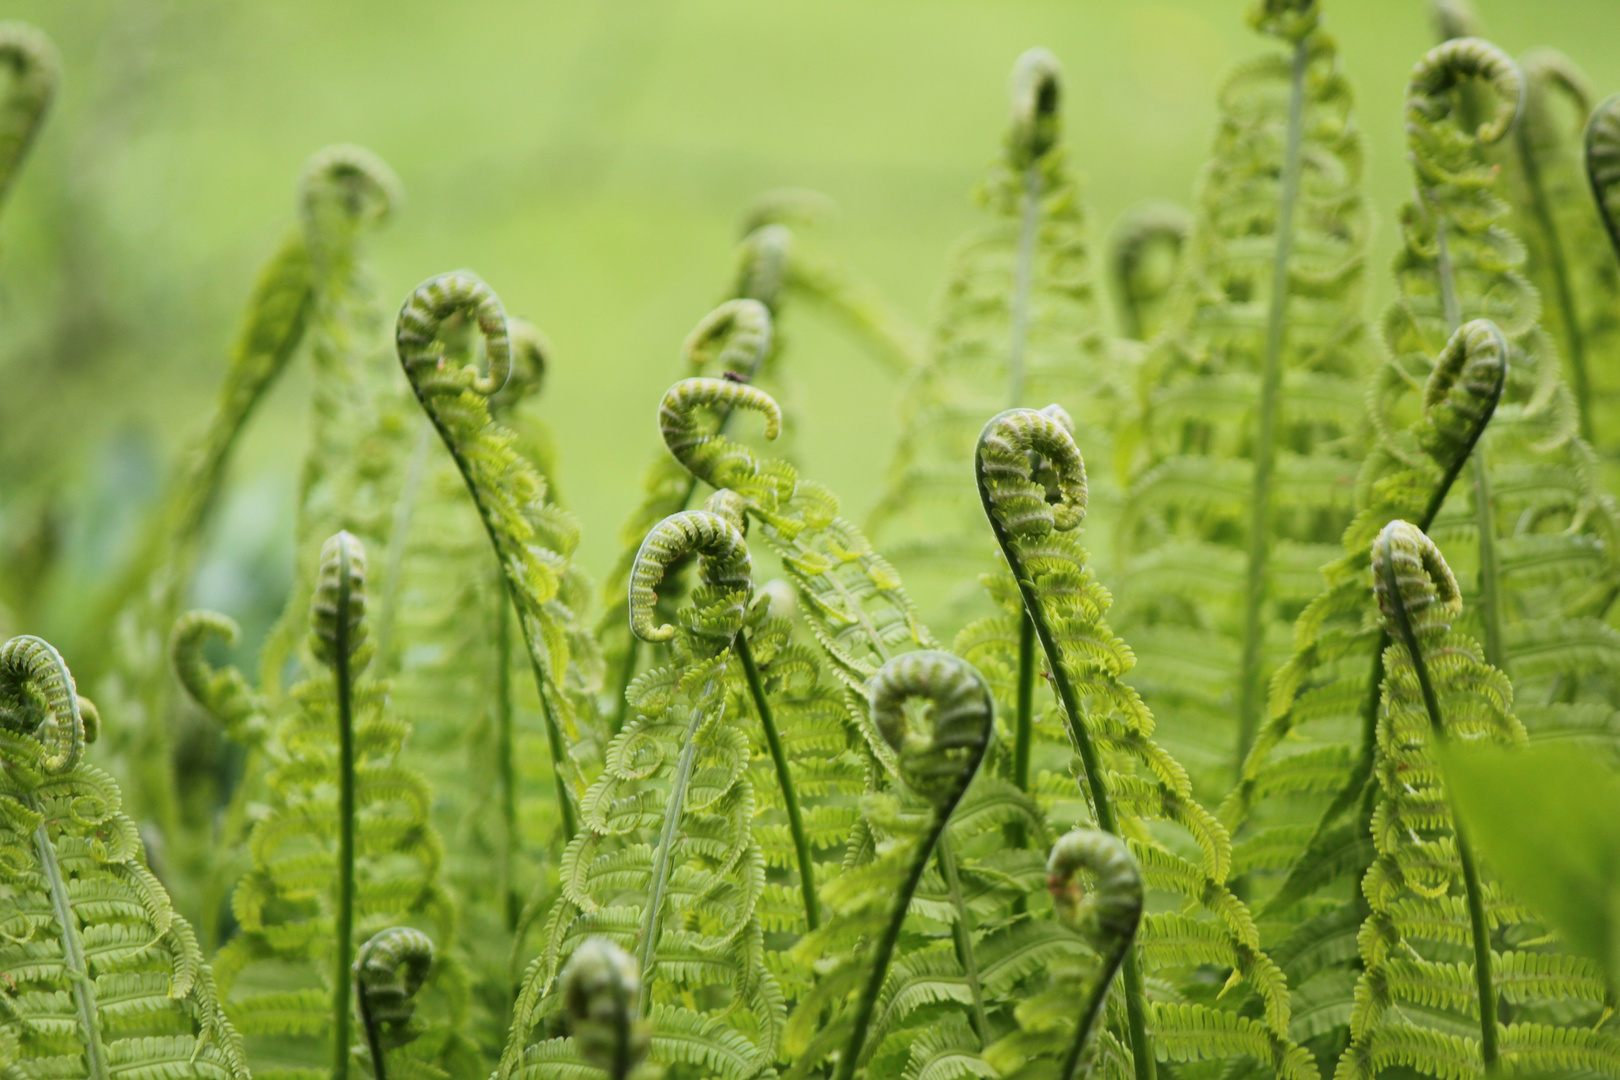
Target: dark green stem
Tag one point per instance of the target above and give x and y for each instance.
(1254, 599)
(1096, 996)
(1478, 926)
(962, 932)
(74, 964)
(343, 687)
(379, 1067)
(790, 798)
(1024, 733)
(506, 754)
(1490, 598)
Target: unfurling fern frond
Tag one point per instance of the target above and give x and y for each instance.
(1146, 255)
(1019, 322)
(1429, 907)
(1032, 482)
(1241, 460)
(35, 71)
(389, 969)
(665, 862)
(345, 848)
(533, 540)
(1603, 165)
(103, 978)
(602, 994)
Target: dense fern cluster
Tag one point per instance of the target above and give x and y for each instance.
(754, 807)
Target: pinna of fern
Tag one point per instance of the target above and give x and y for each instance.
(103, 977)
(1019, 321)
(665, 862)
(1032, 482)
(1429, 906)
(1241, 457)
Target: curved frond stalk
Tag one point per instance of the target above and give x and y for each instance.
(505, 489)
(1032, 483)
(937, 763)
(601, 989)
(35, 71)
(1241, 450)
(94, 958)
(223, 693)
(389, 969)
(1109, 914)
(338, 640)
(1019, 321)
(1145, 258)
(1603, 164)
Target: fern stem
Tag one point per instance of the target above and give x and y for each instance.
(790, 797)
(1541, 211)
(1028, 226)
(884, 953)
(1478, 926)
(344, 688)
(506, 760)
(1254, 599)
(373, 1031)
(1095, 786)
(1023, 732)
(399, 535)
(1490, 599)
(73, 960)
(962, 931)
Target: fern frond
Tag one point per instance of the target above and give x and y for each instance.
(35, 72)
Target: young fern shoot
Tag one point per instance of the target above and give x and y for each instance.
(35, 73)
(601, 993)
(389, 969)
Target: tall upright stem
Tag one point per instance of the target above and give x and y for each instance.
(790, 798)
(506, 753)
(1479, 928)
(1254, 598)
(74, 963)
(343, 956)
(1023, 732)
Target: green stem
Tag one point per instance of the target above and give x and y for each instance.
(1254, 601)
(73, 960)
(962, 931)
(1023, 280)
(790, 798)
(1490, 598)
(506, 753)
(1096, 996)
(379, 1068)
(884, 953)
(1024, 732)
(1095, 786)
(1478, 926)
(343, 957)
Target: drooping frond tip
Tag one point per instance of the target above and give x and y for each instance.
(1035, 91)
(734, 336)
(1603, 164)
(1113, 907)
(1413, 583)
(718, 543)
(221, 691)
(938, 763)
(1429, 96)
(1031, 476)
(435, 300)
(337, 613)
(388, 971)
(38, 699)
(1290, 20)
(35, 72)
(600, 988)
(351, 179)
(1463, 390)
(713, 458)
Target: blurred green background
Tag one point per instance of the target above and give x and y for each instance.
(590, 160)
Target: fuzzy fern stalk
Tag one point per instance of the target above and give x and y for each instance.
(338, 640)
(1145, 260)
(601, 993)
(1019, 322)
(509, 495)
(1242, 455)
(938, 763)
(389, 969)
(1109, 914)
(103, 978)
(35, 71)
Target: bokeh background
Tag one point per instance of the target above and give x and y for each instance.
(591, 161)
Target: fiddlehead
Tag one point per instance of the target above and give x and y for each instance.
(1034, 92)
(938, 763)
(417, 334)
(1603, 164)
(223, 692)
(344, 190)
(724, 564)
(35, 71)
(389, 969)
(38, 700)
(1145, 258)
(1430, 100)
(710, 456)
(601, 993)
(1108, 915)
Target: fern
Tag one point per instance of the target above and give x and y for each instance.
(1019, 321)
(1032, 482)
(35, 72)
(1243, 456)
(344, 847)
(1145, 258)
(102, 977)
(1424, 891)
(389, 969)
(601, 989)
